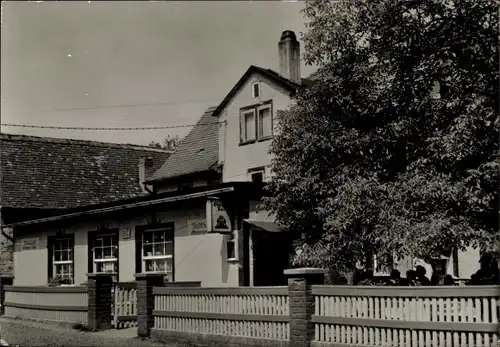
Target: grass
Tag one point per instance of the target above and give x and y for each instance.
(28, 333)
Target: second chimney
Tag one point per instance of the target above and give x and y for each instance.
(289, 56)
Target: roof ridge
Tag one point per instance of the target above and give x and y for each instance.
(31, 138)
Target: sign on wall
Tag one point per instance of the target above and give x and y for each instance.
(197, 226)
(218, 220)
(29, 244)
(125, 234)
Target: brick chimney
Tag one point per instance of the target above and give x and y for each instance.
(289, 56)
(145, 165)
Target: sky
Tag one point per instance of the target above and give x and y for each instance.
(179, 57)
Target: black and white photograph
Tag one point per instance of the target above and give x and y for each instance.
(273, 173)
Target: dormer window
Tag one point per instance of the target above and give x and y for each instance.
(256, 90)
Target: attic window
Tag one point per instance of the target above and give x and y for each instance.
(256, 89)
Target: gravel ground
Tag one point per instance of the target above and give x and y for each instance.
(23, 333)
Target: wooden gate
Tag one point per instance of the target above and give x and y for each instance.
(124, 305)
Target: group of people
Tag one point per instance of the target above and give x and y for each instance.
(418, 277)
(488, 274)
(415, 277)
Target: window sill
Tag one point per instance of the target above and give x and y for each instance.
(233, 260)
(244, 143)
(108, 260)
(155, 257)
(265, 139)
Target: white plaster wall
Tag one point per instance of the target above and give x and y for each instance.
(239, 159)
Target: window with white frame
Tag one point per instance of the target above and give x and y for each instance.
(248, 125)
(158, 252)
(231, 247)
(255, 89)
(256, 122)
(62, 259)
(105, 254)
(264, 122)
(256, 175)
(381, 269)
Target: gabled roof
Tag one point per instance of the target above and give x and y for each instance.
(272, 75)
(41, 172)
(197, 152)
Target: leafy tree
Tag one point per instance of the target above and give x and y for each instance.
(394, 150)
(170, 142)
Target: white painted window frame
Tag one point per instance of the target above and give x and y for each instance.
(253, 134)
(55, 263)
(257, 83)
(104, 260)
(166, 241)
(258, 122)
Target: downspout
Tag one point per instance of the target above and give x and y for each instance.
(8, 237)
(146, 188)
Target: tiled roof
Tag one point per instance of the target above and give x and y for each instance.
(39, 172)
(197, 152)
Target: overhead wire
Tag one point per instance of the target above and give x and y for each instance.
(127, 105)
(108, 128)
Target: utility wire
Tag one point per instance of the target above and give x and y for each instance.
(127, 105)
(108, 129)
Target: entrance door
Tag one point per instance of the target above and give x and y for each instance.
(271, 256)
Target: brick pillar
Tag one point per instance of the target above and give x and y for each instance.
(100, 300)
(301, 302)
(4, 281)
(146, 302)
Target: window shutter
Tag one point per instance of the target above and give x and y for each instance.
(242, 127)
(50, 255)
(138, 251)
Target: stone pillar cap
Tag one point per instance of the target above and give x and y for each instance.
(304, 271)
(149, 275)
(98, 275)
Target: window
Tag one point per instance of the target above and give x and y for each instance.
(379, 269)
(256, 175)
(105, 254)
(265, 123)
(231, 248)
(248, 126)
(158, 252)
(256, 89)
(62, 259)
(256, 122)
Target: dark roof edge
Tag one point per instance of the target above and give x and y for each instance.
(165, 179)
(29, 138)
(286, 83)
(146, 201)
(156, 196)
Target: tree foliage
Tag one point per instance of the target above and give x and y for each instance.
(395, 147)
(170, 142)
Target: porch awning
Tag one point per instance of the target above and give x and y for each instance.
(267, 225)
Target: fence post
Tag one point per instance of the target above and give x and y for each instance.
(100, 300)
(146, 301)
(4, 281)
(301, 302)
